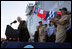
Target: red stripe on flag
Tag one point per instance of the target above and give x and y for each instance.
(59, 12)
(44, 15)
(39, 14)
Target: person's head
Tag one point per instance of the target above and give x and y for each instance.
(63, 11)
(19, 19)
(52, 19)
(45, 25)
(51, 23)
(40, 22)
(60, 10)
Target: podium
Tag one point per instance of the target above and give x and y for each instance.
(10, 32)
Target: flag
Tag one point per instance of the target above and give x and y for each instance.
(59, 12)
(51, 15)
(46, 14)
(40, 13)
(35, 10)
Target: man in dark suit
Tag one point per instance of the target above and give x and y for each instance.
(23, 31)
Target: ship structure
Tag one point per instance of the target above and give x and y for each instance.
(33, 19)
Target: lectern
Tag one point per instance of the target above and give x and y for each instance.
(11, 33)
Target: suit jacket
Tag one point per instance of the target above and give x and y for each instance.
(23, 32)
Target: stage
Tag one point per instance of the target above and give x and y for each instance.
(35, 45)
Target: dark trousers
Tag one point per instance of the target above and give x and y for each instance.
(22, 38)
(68, 36)
(50, 39)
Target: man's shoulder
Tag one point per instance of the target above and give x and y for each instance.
(23, 21)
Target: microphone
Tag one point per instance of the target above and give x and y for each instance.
(13, 22)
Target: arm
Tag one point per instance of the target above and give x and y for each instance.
(61, 23)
